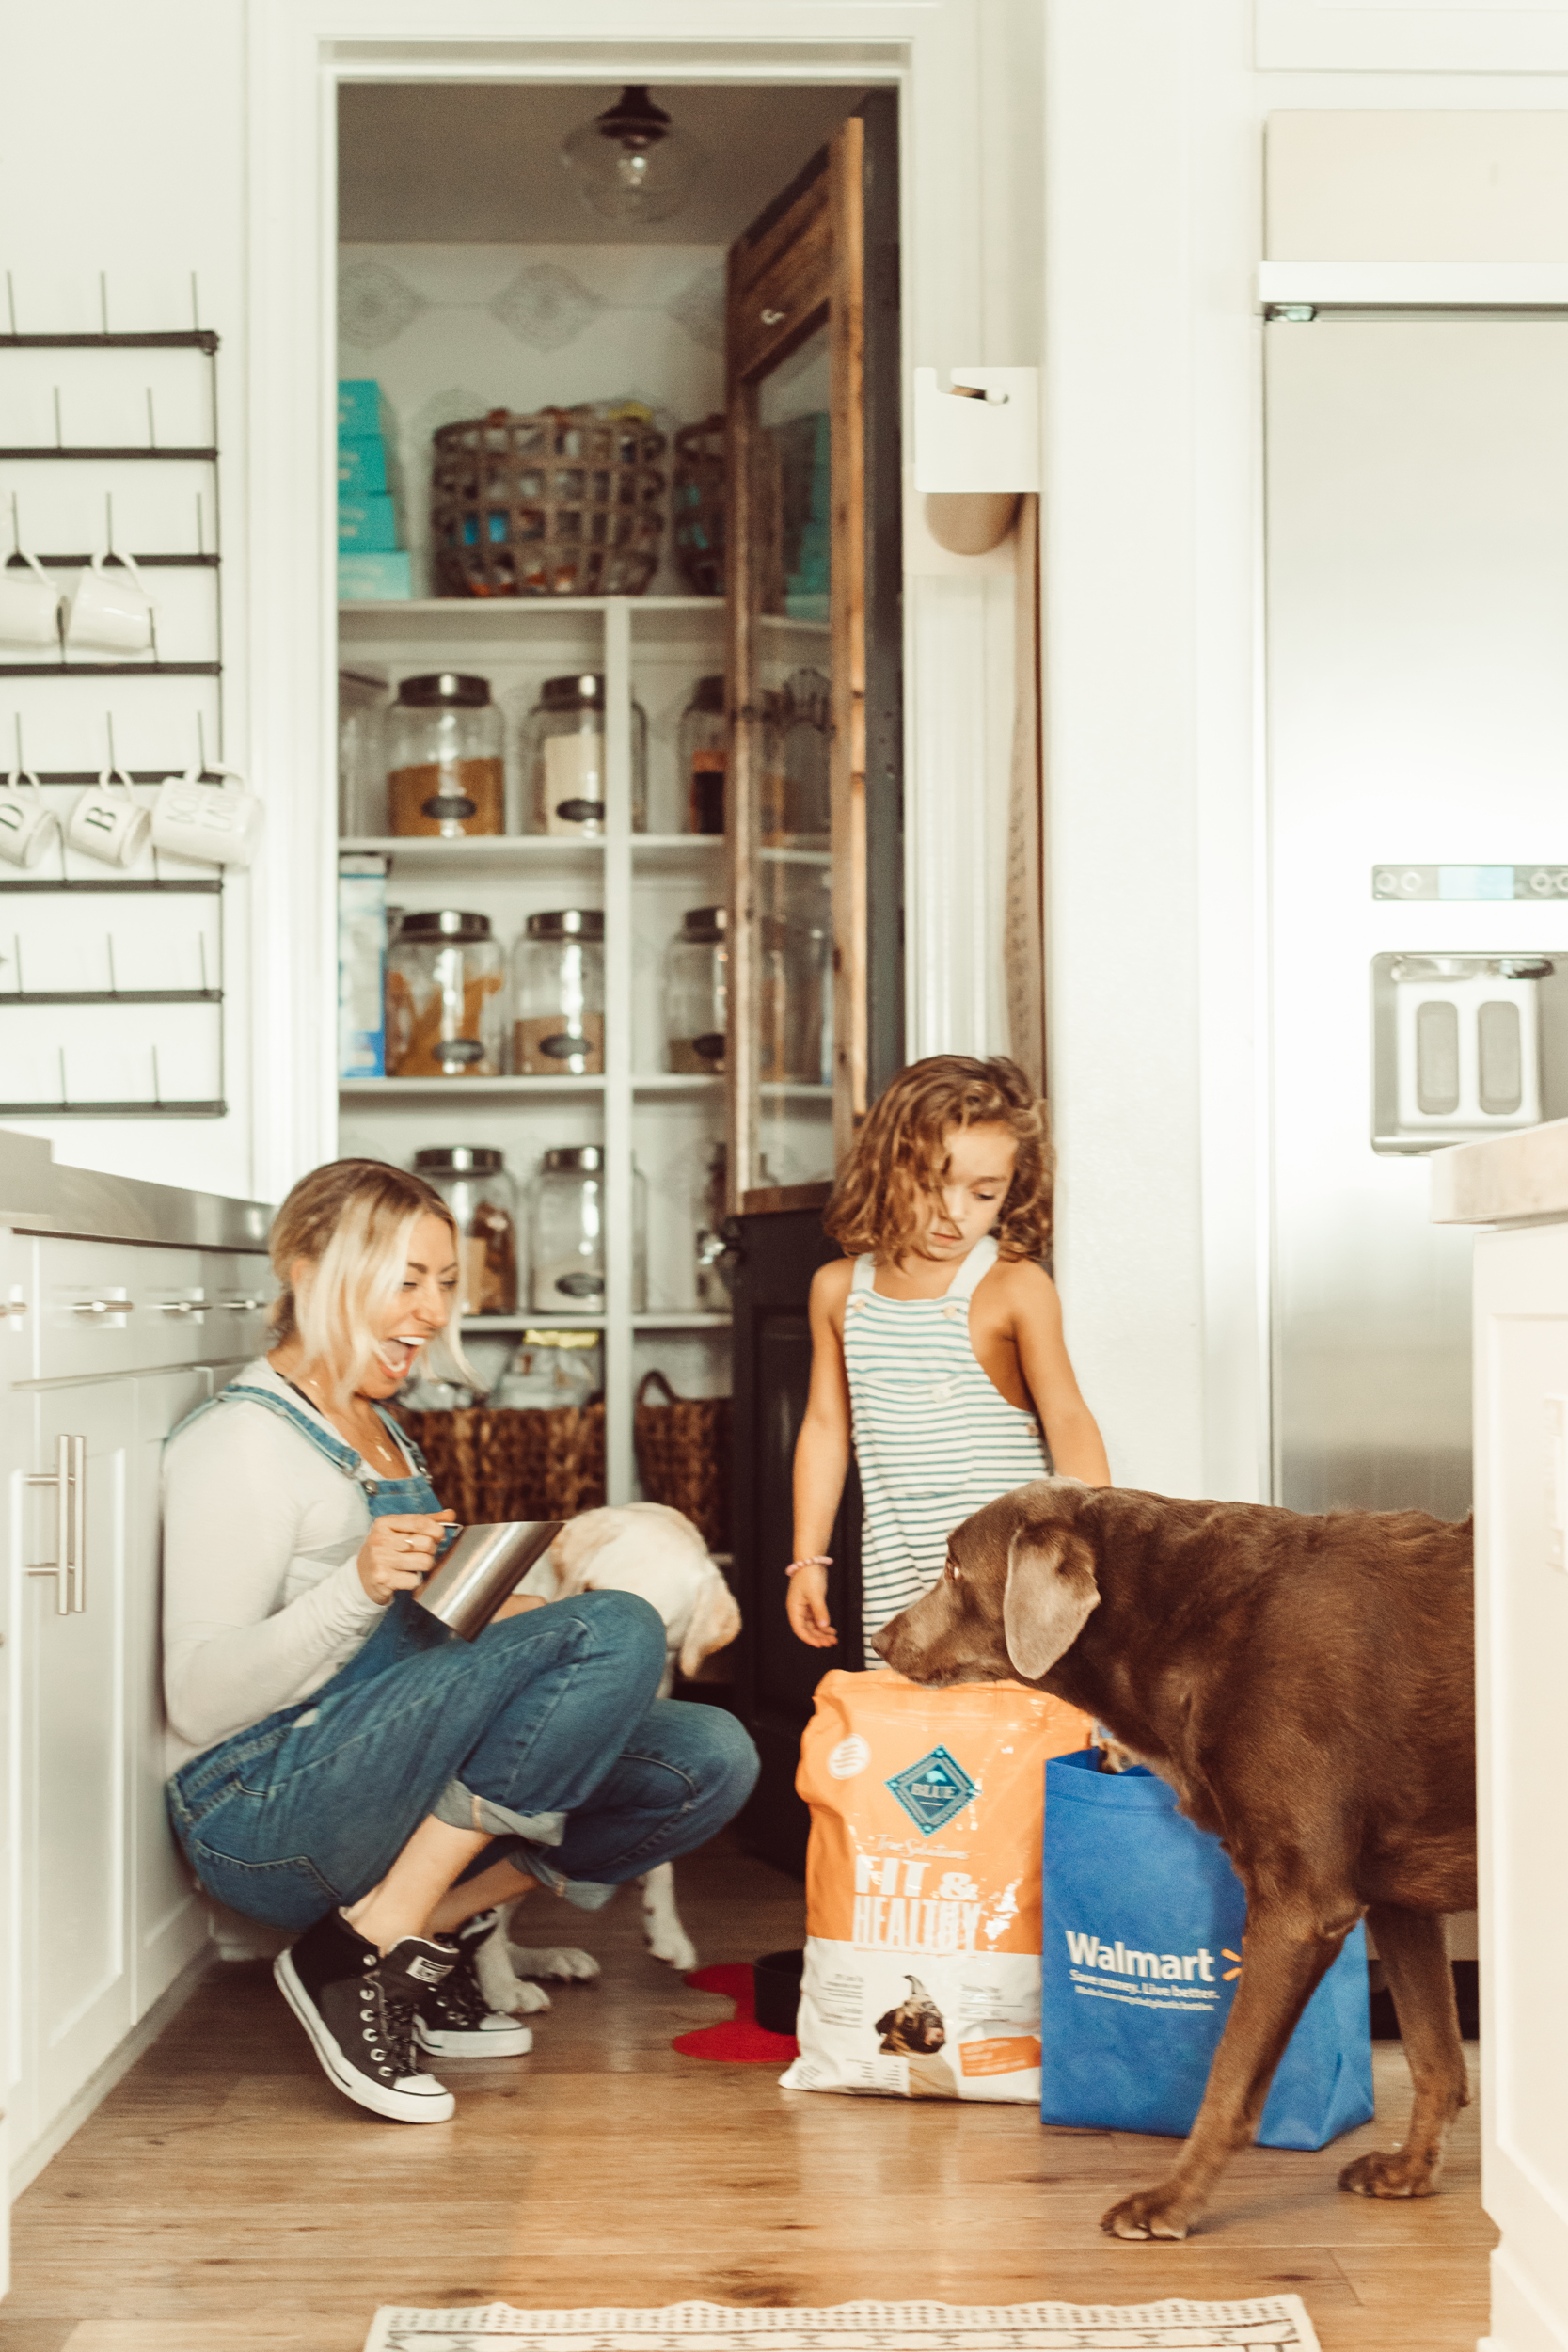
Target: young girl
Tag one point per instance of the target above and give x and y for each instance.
(937, 1341)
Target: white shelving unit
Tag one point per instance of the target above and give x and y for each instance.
(652, 649)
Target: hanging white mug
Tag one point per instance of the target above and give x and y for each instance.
(108, 823)
(110, 611)
(27, 823)
(221, 822)
(29, 603)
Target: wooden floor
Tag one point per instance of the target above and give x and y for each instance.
(224, 2195)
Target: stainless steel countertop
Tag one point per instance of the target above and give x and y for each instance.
(39, 1196)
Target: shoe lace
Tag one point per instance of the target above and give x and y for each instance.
(389, 2009)
(458, 2000)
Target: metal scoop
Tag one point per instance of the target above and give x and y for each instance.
(484, 1568)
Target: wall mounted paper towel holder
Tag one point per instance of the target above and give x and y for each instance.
(977, 452)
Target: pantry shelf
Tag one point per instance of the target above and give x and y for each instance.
(509, 851)
(447, 1090)
(533, 1319)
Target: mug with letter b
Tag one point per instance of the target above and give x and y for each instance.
(27, 823)
(109, 823)
(220, 822)
(110, 612)
(29, 603)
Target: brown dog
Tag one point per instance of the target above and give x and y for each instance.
(915, 2027)
(1307, 1687)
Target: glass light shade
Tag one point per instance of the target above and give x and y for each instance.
(630, 163)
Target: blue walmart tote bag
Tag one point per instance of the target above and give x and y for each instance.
(1143, 1919)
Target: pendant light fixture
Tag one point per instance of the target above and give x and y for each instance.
(630, 163)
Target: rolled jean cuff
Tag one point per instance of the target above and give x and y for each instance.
(583, 1894)
(460, 1809)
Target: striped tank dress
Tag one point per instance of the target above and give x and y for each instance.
(934, 1437)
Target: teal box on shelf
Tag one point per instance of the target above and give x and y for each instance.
(363, 470)
(362, 409)
(361, 965)
(385, 578)
(368, 523)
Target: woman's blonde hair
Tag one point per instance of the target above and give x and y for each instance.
(352, 1221)
(896, 1165)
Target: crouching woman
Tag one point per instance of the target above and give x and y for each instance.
(346, 1770)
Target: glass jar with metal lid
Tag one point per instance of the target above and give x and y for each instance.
(446, 1014)
(564, 759)
(696, 992)
(471, 1179)
(703, 755)
(558, 996)
(446, 771)
(568, 1231)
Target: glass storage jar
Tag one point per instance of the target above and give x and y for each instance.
(568, 1231)
(696, 992)
(446, 1015)
(703, 755)
(361, 754)
(564, 759)
(446, 772)
(793, 1002)
(471, 1179)
(558, 996)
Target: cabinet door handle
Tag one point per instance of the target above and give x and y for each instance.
(241, 1306)
(183, 1306)
(13, 1306)
(103, 1306)
(69, 1567)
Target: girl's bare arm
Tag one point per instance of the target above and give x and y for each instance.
(821, 1456)
(1077, 1448)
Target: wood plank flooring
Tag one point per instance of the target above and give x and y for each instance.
(224, 2195)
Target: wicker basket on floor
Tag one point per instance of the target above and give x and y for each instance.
(682, 1456)
(569, 503)
(698, 505)
(505, 1464)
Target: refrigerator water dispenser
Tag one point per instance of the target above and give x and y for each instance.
(1466, 1045)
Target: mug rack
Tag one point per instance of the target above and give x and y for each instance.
(203, 344)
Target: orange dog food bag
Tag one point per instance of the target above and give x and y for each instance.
(922, 1886)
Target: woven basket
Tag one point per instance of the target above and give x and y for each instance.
(507, 1463)
(699, 505)
(683, 1456)
(565, 503)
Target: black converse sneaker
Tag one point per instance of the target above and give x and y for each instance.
(358, 2007)
(455, 2020)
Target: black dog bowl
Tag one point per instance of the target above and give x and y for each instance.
(776, 1978)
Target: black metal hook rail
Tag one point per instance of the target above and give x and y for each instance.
(211, 1109)
(174, 338)
(75, 457)
(148, 562)
(111, 669)
(210, 889)
(137, 775)
(111, 995)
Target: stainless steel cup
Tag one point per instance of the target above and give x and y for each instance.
(484, 1568)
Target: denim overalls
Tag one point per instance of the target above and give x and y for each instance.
(549, 1715)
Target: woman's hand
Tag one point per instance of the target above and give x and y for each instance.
(400, 1552)
(806, 1607)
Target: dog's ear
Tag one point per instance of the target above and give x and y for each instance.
(715, 1623)
(1049, 1594)
(573, 1553)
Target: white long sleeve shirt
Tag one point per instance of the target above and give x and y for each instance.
(263, 1601)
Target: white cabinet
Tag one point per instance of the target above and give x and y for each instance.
(1521, 1364)
(116, 1345)
(73, 1747)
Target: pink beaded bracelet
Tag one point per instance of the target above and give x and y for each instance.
(818, 1560)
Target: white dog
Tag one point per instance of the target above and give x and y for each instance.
(636, 1548)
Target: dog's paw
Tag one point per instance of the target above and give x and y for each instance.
(1153, 2213)
(673, 1946)
(1391, 2172)
(554, 1960)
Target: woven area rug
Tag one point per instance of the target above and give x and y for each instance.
(1274, 2322)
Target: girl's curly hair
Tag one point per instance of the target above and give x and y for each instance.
(896, 1165)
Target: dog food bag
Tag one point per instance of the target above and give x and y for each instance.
(922, 1886)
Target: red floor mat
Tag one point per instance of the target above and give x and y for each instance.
(739, 2041)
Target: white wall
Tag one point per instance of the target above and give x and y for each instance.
(125, 152)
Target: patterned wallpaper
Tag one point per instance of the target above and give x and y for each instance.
(449, 331)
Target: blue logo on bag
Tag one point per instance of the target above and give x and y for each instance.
(932, 1790)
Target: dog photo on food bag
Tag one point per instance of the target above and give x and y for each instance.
(1305, 1685)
